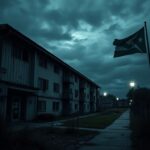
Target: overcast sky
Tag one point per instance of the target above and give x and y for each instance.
(81, 33)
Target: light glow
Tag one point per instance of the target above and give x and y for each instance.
(132, 84)
(105, 93)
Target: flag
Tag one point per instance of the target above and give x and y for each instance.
(135, 43)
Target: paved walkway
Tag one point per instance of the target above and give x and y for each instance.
(114, 137)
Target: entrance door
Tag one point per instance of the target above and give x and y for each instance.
(15, 111)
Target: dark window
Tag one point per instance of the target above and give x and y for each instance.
(17, 53)
(88, 96)
(43, 84)
(25, 55)
(43, 61)
(93, 97)
(56, 69)
(20, 54)
(1, 47)
(41, 106)
(55, 106)
(76, 93)
(76, 106)
(76, 79)
(56, 87)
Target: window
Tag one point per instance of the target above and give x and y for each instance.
(25, 56)
(56, 69)
(43, 61)
(93, 97)
(76, 106)
(1, 47)
(41, 106)
(43, 84)
(76, 93)
(21, 54)
(55, 106)
(56, 87)
(76, 79)
(88, 96)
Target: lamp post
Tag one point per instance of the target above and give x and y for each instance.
(132, 85)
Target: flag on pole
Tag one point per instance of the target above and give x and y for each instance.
(135, 43)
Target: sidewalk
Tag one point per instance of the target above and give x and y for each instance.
(114, 137)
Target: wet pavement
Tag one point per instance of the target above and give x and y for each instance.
(114, 137)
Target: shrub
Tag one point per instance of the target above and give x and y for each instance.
(140, 118)
(45, 117)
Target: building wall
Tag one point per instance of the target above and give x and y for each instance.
(75, 88)
(17, 70)
(29, 72)
(87, 97)
(3, 100)
(48, 73)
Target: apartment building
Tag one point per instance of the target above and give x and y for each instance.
(33, 81)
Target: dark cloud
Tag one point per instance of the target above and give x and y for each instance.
(81, 33)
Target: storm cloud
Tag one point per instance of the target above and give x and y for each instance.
(81, 33)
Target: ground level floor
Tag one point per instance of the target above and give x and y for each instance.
(21, 103)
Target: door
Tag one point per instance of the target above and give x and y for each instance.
(15, 111)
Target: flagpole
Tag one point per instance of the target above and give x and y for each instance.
(147, 42)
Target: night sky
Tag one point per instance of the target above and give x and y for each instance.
(81, 33)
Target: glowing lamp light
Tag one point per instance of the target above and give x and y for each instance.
(105, 93)
(132, 84)
(117, 98)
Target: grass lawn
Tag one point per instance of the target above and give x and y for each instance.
(99, 121)
(44, 139)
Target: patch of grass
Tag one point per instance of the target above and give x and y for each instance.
(62, 131)
(45, 138)
(99, 121)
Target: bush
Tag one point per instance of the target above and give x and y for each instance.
(140, 119)
(45, 117)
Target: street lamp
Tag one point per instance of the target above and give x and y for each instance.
(105, 93)
(132, 84)
(117, 98)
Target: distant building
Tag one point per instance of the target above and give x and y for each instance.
(108, 101)
(123, 103)
(33, 81)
